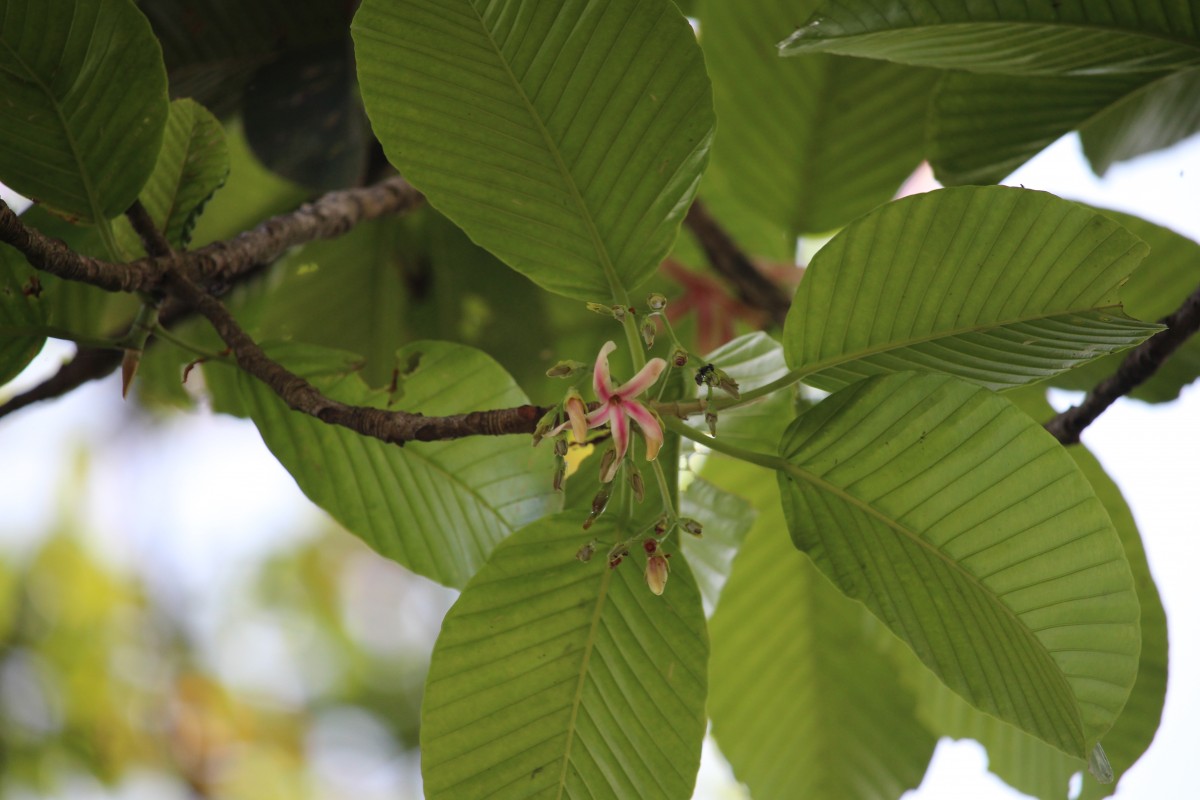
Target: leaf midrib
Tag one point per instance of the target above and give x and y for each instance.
(1176, 39)
(610, 272)
(885, 347)
(577, 700)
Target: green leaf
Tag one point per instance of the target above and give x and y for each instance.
(983, 127)
(1158, 115)
(804, 701)
(437, 507)
(753, 360)
(1008, 36)
(192, 165)
(557, 678)
(804, 145)
(1168, 276)
(567, 138)
(726, 519)
(996, 285)
(970, 532)
(21, 313)
(85, 102)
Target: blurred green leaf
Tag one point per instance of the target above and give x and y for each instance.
(988, 552)
(996, 285)
(804, 702)
(85, 102)
(726, 519)
(574, 173)
(437, 507)
(553, 676)
(1157, 115)
(21, 314)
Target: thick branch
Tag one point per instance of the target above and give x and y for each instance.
(753, 288)
(1141, 363)
(331, 215)
(390, 426)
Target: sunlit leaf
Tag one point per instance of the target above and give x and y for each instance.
(557, 678)
(1158, 115)
(965, 527)
(996, 285)
(517, 123)
(85, 102)
(726, 519)
(437, 507)
(1009, 36)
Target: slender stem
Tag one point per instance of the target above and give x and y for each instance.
(721, 446)
(664, 488)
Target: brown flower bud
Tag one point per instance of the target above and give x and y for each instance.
(657, 570)
(691, 526)
(586, 552)
(711, 418)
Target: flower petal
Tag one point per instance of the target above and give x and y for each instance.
(577, 414)
(651, 430)
(645, 378)
(601, 379)
(620, 432)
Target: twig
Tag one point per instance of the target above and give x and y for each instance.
(730, 262)
(1137, 367)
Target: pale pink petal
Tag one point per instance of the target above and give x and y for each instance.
(645, 378)
(601, 380)
(599, 417)
(651, 430)
(620, 432)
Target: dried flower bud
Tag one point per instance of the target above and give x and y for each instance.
(608, 465)
(728, 385)
(650, 546)
(599, 503)
(565, 369)
(560, 474)
(649, 330)
(657, 570)
(691, 526)
(656, 301)
(618, 313)
(600, 308)
(710, 417)
(638, 485)
(617, 555)
(679, 357)
(586, 552)
(560, 447)
(548, 421)
(660, 527)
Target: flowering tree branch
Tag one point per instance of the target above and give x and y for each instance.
(1141, 363)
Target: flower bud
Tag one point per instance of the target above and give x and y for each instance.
(649, 330)
(608, 465)
(650, 546)
(679, 357)
(560, 447)
(600, 308)
(599, 503)
(618, 313)
(637, 484)
(691, 526)
(656, 301)
(586, 552)
(565, 369)
(560, 474)
(657, 570)
(711, 418)
(660, 527)
(617, 555)
(577, 413)
(548, 421)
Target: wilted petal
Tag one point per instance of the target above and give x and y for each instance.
(651, 429)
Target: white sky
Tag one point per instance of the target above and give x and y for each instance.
(196, 494)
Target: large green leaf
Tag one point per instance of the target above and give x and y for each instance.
(804, 145)
(1169, 275)
(567, 138)
(804, 701)
(1158, 115)
(192, 165)
(726, 519)
(437, 507)
(85, 102)
(21, 314)
(997, 285)
(982, 127)
(965, 527)
(555, 678)
(1026, 763)
(1015, 37)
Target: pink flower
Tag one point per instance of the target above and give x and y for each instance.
(618, 407)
